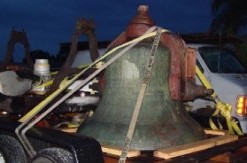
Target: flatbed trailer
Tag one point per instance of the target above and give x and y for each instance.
(219, 146)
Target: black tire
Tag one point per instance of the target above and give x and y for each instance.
(53, 155)
(11, 150)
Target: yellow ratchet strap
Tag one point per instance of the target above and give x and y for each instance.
(67, 83)
(43, 84)
(221, 108)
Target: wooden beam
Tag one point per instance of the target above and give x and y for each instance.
(194, 147)
(117, 151)
(216, 132)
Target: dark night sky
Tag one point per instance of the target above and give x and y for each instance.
(50, 22)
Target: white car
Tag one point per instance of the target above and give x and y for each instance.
(228, 78)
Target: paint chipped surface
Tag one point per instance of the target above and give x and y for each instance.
(129, 70)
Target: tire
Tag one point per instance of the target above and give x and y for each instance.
(53, 155)
(11, 150)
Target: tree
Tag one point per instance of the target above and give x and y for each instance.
(230, 16)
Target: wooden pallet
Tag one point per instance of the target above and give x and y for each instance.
(219, 138)
(180, 150)
(216, 138)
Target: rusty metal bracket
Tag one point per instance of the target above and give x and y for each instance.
(16, 37)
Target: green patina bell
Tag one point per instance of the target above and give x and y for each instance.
(163, 121)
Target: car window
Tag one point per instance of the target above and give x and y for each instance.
(221, 60)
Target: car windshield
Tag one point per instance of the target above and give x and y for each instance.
(220, 60)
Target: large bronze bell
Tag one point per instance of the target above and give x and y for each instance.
(163, 121)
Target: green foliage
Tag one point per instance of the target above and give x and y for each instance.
(242, 49)
(230, 16)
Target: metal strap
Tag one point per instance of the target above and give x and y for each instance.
(140, 98)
